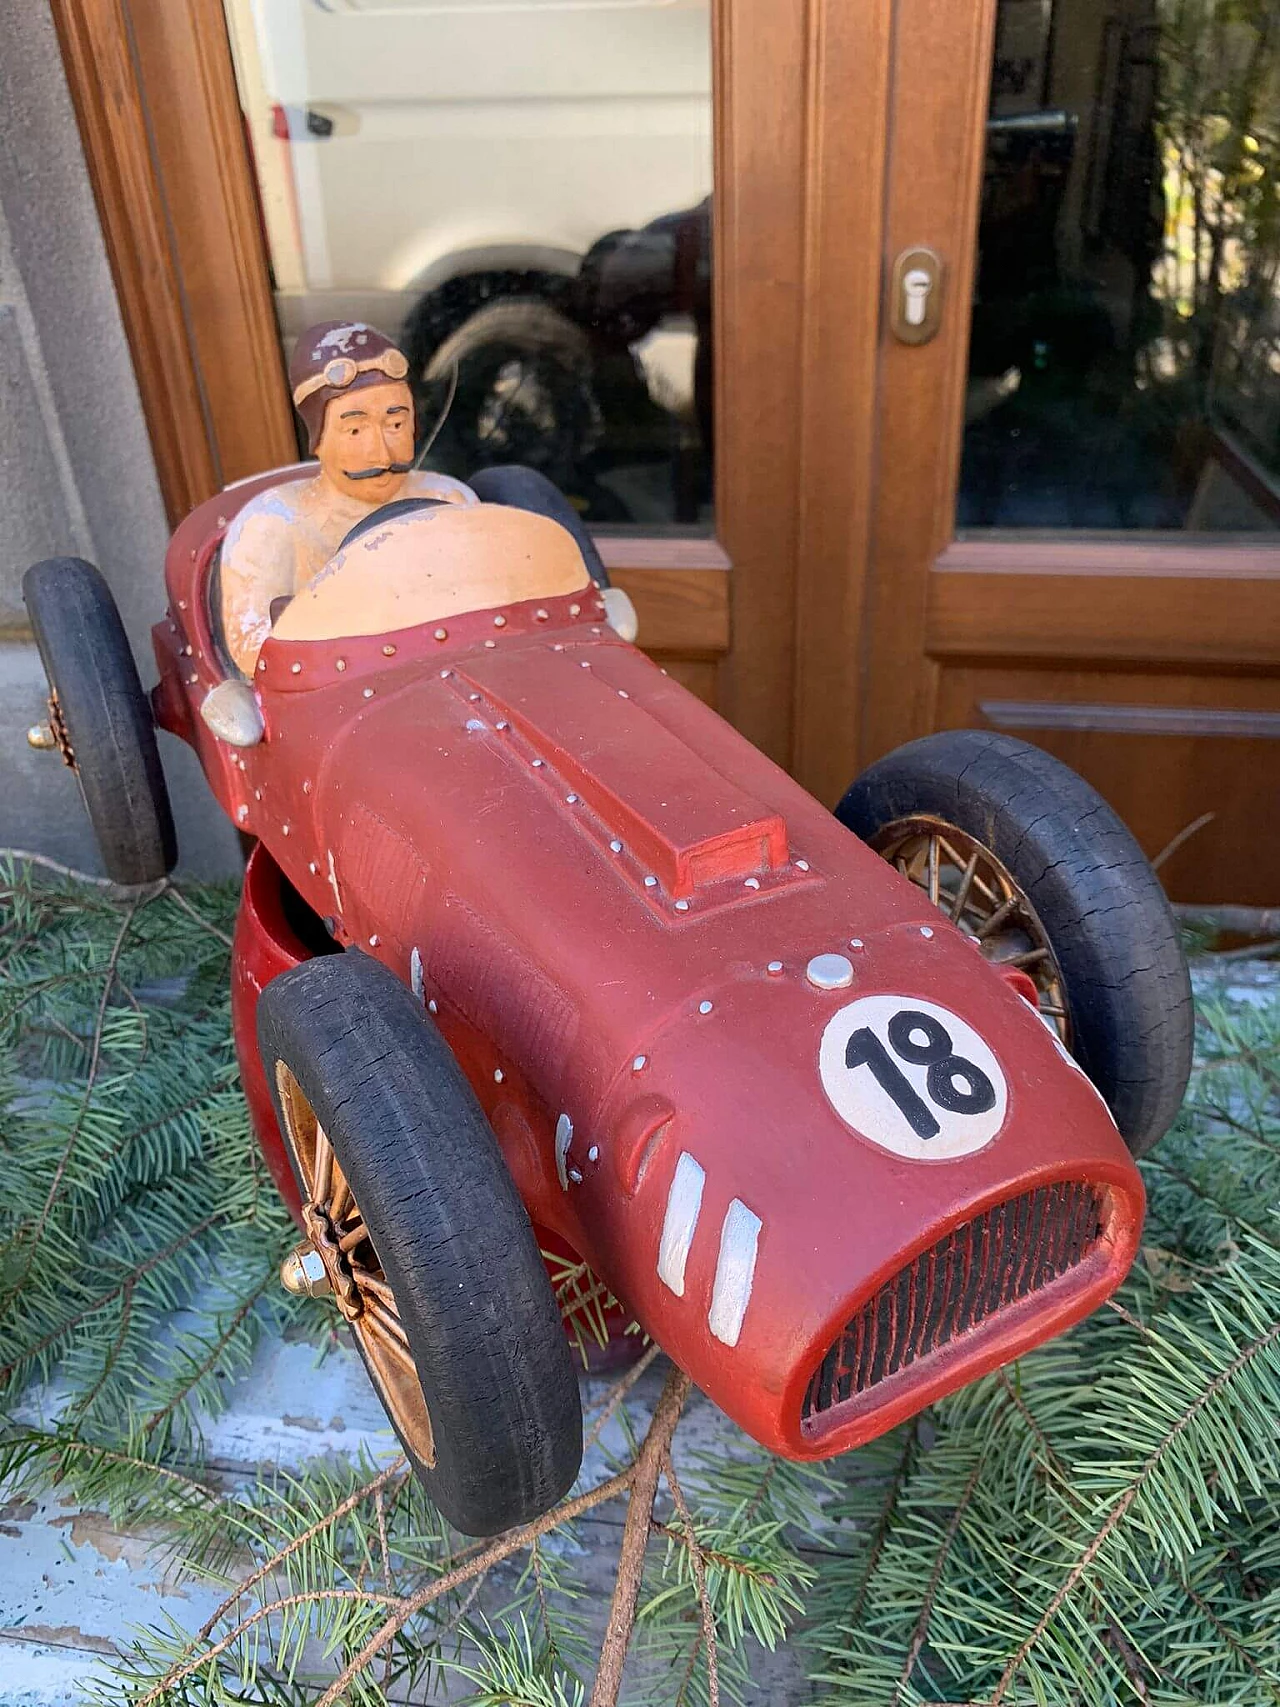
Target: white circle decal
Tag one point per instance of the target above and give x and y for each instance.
(912, 1077)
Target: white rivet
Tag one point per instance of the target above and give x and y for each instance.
(538, 764)
(557, 647)
(682, 906)
(855, 942)
(182, 604)
(540, 615)
(639, 1064)
(295, 669)
(192, 680)
(571, 799)
(222, 521)
(306, 786)
(574, 610)
(597, 631)
(474, 724)
(431, 1006)
(243, 766)
(752, 883)
(368, 693)
(802, 865)
(242, 812)
(373, 940)
(774, 968)
(593, 1154)
(491, 643)
(340, 663)
(284, 829)
(575, 1176)
(186, 651)
(623, 694)
(584, 663)
(388, 651)
(615, 847)
(473, 697)
(502, 724)
(704, 1007)
(497, 1075)
(925, 930)
(442, 634)
(445, 674)
(313, 868)
(257, 794)
(499, 622)
(829, 972)
(651, 883)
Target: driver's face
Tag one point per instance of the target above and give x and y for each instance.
(366, 447)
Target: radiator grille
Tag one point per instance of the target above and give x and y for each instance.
(982, 1266)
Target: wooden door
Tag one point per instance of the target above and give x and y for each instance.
(752, 592)
(1076, 534)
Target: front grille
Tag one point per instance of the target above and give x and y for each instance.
(981, 1267)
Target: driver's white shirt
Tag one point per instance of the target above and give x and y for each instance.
(282, 538)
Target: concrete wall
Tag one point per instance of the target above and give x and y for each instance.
(76, 471)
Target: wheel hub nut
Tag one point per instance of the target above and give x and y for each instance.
(303, 1272)
(41, 737)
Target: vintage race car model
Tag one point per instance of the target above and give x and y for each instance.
(843, 1108)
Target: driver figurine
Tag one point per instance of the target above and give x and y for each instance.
(348, 385)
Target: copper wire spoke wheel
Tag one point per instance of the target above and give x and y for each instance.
(975, 890)
(338, 1234)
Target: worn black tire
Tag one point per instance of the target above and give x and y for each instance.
(107, 714)
(449, 1230)
(1124, 973)
(524, 488)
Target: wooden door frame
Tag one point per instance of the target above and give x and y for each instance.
(1050, 596)
(800, 86)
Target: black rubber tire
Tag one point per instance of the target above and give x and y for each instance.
(560, 422)
(526, 489)
(1124, 973)
(450, 1232)
(107, 714)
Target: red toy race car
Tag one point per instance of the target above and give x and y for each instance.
(844, 1109)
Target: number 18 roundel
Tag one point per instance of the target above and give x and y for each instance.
(912, 1077)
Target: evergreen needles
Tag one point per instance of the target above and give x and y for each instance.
(1094, 1525)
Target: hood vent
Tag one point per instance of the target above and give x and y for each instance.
(980, 1268)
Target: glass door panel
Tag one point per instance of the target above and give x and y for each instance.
(519, 193)
(1124, 366)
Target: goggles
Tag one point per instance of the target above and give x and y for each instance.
(342, 371)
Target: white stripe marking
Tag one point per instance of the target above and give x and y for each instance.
(564, 1137)
(684, 1202)
(735, 1271)
(415, 974)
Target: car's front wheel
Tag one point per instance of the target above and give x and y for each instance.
(1023, 855)
(416, 1232)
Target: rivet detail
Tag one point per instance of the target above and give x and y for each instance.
(829, 972)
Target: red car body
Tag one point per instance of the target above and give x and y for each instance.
(611, 902)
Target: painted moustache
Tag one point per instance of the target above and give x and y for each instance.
(377, 473)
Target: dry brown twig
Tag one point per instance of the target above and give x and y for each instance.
(642, 1479)
(697, 1560)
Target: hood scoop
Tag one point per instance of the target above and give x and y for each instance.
(677, 815)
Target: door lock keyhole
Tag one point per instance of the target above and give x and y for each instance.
(915, 292)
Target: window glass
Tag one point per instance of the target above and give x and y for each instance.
(518, 191)
(1125, 355)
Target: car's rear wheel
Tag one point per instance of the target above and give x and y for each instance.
(100, 718)
(415, 1230)
(1023, 855)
